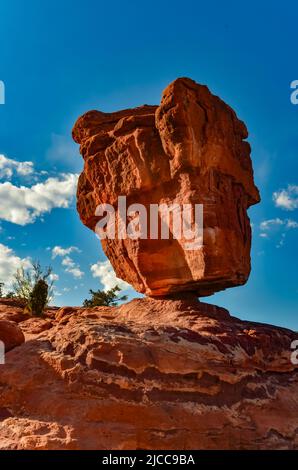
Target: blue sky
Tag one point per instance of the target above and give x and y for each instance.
(60, 59)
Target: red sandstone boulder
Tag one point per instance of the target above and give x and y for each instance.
(191, 149)
(10, 334)
(12, 310)
(151, 374)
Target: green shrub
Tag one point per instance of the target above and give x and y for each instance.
(25, 281)
(38, 298)
(33, 288)
(101, 298)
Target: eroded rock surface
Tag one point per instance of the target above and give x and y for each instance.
(10, 335)
(191, 149)
(150, 374)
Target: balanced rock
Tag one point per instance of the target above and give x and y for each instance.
(189, 150)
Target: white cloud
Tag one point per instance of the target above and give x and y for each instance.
(270, 224)
(276, 226)
(9, 263)
(106, 274)
(54, 277)
(70, 266)
(67, 261)
(291, 223)
(281, 241)
(24, 204)
(56, 293)
(75, 272)
(8, 167)
(59, 251)
(287, 198)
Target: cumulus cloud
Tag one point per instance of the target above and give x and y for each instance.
(287, 198)
(106, 274)
(9, 167)
(24, 204)
(72, 268)
(9, 263)
(75, 272)
(67, 262)
(59, 251)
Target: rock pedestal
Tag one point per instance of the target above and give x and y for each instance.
(150, 374)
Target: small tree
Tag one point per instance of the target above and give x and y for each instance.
(101, 298)
(34, 287)
(10, 295)
(1, 288)
(38, 298)
(25, 280)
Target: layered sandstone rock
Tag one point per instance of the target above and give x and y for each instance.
(150, 374)
(189, 150)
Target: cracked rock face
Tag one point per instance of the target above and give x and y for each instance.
(189, 150)
(149, 374)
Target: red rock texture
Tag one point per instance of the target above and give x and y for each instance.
(149, 374)
(10, 334)
(191, 149)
